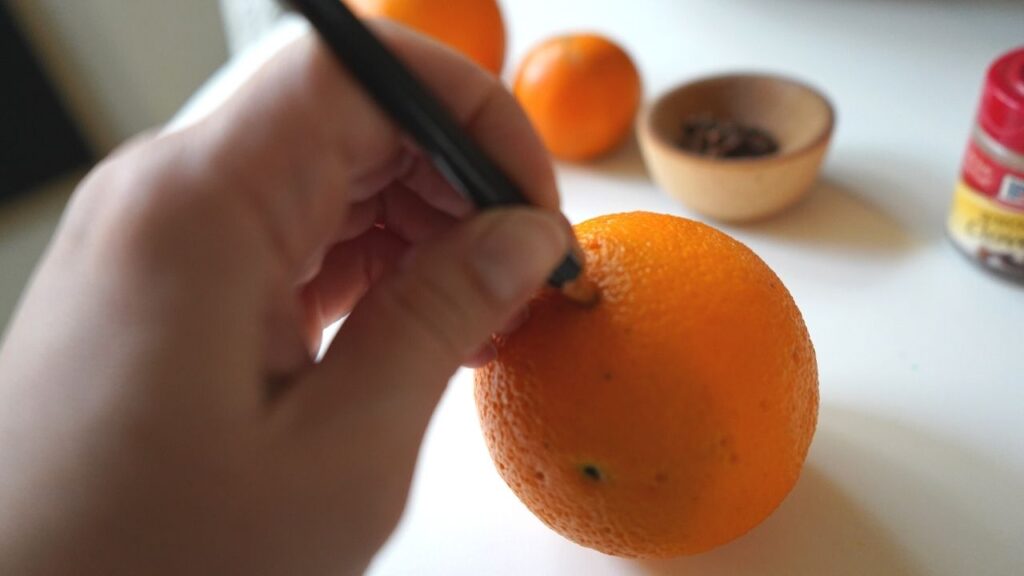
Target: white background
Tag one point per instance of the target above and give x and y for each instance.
(124, 65)
(918, 462)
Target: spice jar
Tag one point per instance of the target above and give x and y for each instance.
(987, 217)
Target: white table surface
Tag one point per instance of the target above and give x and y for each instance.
(918, 462)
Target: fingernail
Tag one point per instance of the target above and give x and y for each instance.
(516, 321)
(482, 356)
(518, 253)
(574, 243)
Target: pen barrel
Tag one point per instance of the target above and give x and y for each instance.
(411, 105)
(414, 109)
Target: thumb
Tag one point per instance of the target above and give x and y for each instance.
(391, 360)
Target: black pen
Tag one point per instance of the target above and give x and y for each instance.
(411, 105)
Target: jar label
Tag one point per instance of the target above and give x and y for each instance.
(984, 226)
(993, 180)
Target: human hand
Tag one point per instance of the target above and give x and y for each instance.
(160, 410)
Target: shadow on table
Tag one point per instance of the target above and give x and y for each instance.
(836, 218)
(870, 488)
(626, 162)
(867, 205)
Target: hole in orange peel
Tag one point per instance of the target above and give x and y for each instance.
(582, 291)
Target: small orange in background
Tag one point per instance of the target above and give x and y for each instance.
(473, 27)
(581, 91)
(671, 417)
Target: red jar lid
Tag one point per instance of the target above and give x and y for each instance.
(1002, 101)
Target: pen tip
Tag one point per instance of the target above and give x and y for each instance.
(570, 279)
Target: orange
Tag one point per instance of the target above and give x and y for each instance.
(581, 92)
(672, 416)
(473, 27)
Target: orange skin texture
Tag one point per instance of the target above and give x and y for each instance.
(473, 27)
(581, 92)
(672, 417)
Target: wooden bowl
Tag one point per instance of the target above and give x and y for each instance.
(739, 189)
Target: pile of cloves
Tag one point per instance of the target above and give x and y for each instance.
(707, 135)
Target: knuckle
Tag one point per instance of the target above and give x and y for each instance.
(144, 204)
